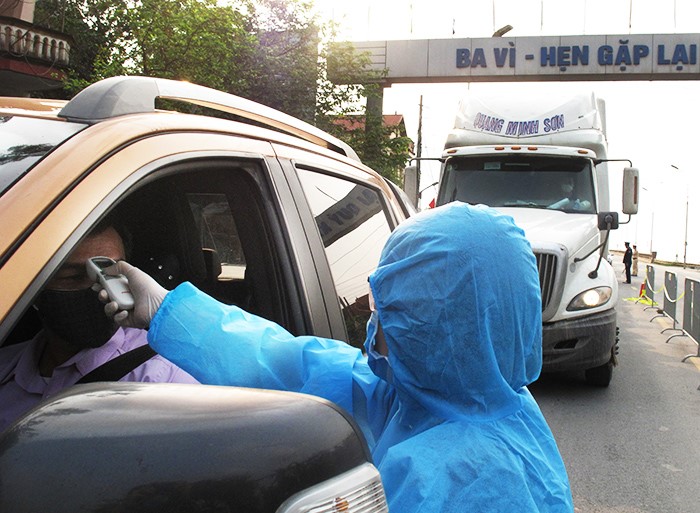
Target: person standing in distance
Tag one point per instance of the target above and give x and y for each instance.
(627, 260)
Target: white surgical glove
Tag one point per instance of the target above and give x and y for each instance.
(148, 296)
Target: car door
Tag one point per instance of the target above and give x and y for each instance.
(212, 209)
(348, 214)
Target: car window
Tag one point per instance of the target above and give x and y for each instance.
(218, 233)
(206, 223)
(24, 141)
(353, 227)
(210, 227)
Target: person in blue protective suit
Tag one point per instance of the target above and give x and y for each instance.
(441, 396)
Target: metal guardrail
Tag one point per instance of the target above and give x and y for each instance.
(671, 297)
(691, 306)
(648, 290)
(691, 314)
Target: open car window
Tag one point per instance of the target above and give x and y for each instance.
(206, 223)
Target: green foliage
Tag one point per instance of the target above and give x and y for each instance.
(393, 155)
(195, 40)
(379, 147)
(347, 88)
(92, 25)
(340, 96)
(286, 58)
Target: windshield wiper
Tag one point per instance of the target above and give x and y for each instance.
(523, 204)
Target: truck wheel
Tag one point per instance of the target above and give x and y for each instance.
(600, 376)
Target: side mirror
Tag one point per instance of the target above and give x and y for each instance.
(410, 183)
(630, 190)
(608, 221)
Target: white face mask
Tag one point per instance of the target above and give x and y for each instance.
(378, 363)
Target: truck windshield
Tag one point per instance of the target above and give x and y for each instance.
(555, 183)
(24, 141)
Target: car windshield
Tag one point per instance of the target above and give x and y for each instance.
(555, 183)
(24, 141)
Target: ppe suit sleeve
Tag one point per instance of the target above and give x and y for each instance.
(224, 345)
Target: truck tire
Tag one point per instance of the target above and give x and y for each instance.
(600, 376)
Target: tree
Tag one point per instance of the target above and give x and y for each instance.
(380, 146)
(304, 56)
(348, 88)
(287, 57)
(195, 40)
(91, 24)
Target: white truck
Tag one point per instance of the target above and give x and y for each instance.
(544, 163)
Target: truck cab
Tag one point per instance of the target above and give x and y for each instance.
(545, 164)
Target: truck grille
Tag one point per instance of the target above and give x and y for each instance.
(357, 491)
(547, 267)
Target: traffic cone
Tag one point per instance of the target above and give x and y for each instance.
(643, 290)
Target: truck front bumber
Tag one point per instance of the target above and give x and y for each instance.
(578, 344)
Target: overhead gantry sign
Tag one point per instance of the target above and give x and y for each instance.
(555, 58)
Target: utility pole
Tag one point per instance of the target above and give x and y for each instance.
(419, 148)
(685, 241)
(373, 122)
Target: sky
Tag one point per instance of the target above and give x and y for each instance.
(650, 122)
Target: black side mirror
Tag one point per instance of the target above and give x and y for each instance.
(608, 221)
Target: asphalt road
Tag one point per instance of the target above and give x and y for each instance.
(633, 447)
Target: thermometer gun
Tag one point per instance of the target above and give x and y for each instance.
(116, 285)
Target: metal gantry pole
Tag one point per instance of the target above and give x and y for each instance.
(685, 241)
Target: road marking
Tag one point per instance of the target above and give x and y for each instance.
(672, 468)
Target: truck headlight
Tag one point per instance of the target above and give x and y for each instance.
(590, 299)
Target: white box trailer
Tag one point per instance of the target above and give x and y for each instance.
(544, 162)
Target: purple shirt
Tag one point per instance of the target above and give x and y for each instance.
(22, 387)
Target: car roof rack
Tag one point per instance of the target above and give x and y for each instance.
(119, 96)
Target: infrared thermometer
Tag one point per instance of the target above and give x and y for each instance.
(116, 285)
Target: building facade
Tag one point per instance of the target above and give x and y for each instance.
(32, 58)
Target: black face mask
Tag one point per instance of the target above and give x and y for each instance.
(76, 316)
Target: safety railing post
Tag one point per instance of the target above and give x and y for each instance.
(691, 314)
(649, 287)
(671, 297)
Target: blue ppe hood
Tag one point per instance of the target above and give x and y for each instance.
(458, 298)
